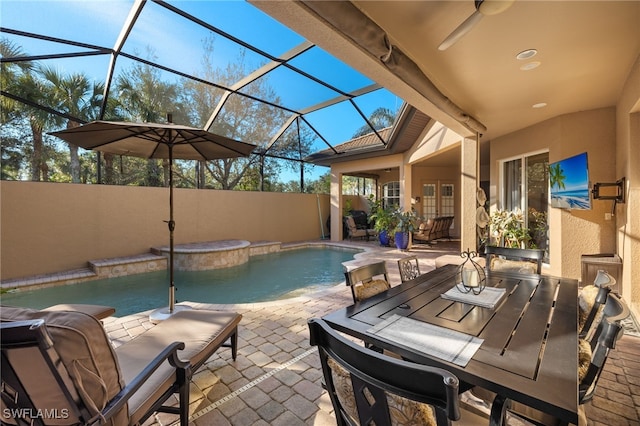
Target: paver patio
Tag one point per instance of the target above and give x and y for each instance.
(276, 379)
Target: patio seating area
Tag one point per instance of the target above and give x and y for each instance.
(276, 379)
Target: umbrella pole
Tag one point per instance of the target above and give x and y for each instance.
(172, 225)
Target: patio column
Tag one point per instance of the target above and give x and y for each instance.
(405, 186)
(468, 184)
(336, 206)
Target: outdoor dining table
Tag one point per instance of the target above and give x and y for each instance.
(523, 349)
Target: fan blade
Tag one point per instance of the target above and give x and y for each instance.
(462, 29)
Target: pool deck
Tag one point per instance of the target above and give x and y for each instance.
(276, 379)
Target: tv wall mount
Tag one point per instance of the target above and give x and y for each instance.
(616, 195)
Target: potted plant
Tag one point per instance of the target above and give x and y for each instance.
(508, 230)
(384, 220)
(406, 223)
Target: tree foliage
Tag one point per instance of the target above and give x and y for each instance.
(142, 92)
(380, 118)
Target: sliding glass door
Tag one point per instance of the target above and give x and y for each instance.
(525, 186)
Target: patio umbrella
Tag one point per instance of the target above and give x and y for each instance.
(155, 140)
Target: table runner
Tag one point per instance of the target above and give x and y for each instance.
(440, 342)
(488, 298)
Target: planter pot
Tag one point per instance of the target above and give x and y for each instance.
(402, 240)
(383, 236)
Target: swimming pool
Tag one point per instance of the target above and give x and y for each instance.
(265, 277)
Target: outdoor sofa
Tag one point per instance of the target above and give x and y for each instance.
(433, 229)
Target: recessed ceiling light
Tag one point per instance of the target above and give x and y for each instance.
(539, 105)
(526, 54)
(530, 65)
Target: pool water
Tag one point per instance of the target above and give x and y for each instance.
(264, 278)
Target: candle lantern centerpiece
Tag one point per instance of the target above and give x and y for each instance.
(470, 276)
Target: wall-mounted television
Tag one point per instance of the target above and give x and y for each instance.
(569, 182)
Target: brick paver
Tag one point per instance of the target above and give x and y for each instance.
(276, 379)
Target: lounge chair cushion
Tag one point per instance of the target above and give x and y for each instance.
(402, 411)
(85, 352)
(98, 311)
(202, 332)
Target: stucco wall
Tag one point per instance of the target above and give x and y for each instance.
(628, 161)
(53, 227)
(572, 232)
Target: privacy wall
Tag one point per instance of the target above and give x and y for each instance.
(54, 227)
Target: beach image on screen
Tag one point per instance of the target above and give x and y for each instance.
(569, 182)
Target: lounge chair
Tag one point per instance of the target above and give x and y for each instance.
(355, 232)
(62, 364)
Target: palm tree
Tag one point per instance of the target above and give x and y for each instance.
(556, 176)
(380, 118)
(78, 97)
(35, 90)
(9, 74)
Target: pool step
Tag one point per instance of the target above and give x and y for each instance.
(40, 281)
(97, 269)
(120, 266)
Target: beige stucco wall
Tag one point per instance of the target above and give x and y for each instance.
(53, 227)
(572, 232)
(628, 165)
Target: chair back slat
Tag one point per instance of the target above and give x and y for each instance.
(596, 310)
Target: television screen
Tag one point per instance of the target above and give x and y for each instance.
(569, 182)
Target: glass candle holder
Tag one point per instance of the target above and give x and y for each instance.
(470, 276)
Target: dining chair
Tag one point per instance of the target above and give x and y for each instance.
(409, 268)
(367, 281)
(592, 300)
(518, 260)
(367, 387)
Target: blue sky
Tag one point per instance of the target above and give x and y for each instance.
(177, 43)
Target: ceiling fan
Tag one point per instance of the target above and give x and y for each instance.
(483, 7)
